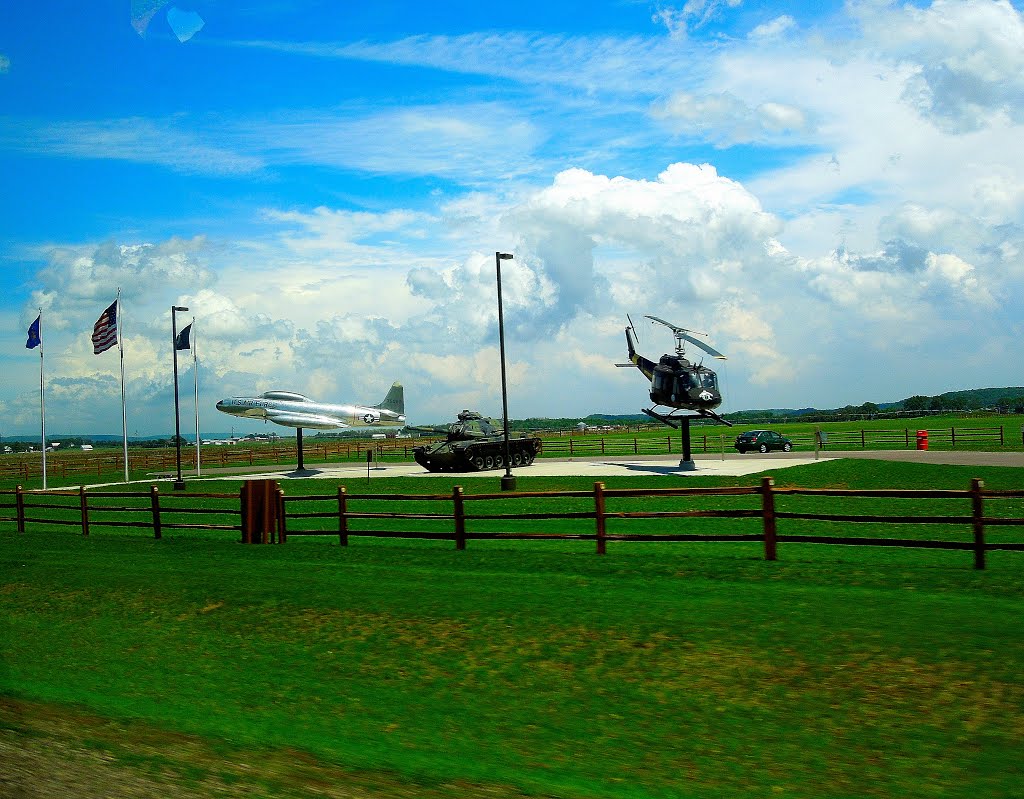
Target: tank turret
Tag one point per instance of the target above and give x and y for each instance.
(476, 443)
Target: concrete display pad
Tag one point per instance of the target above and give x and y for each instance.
(597, 468)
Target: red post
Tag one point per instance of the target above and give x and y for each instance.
(768, 513)
(599, 517)
(154, 504)
(460, 518)
(342, 517)
(978, 523)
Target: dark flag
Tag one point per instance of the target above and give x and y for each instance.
(181, 342)
(33, 334)
(104, 334)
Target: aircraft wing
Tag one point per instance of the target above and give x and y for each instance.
(296, 419)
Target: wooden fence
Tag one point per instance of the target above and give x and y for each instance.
(584, 444)
(137, 510)
(450, 516)
(576, 444)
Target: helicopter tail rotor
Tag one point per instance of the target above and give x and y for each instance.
(632, 327)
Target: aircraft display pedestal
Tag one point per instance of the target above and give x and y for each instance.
(687, 465)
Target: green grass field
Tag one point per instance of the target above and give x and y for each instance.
(195, 666)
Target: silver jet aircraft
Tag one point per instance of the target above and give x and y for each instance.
(295, 410)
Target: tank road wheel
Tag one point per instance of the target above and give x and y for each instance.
(499, 461)
(517, 459)
(488, 461)
(478, 462)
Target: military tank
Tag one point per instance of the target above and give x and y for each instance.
(475, 443)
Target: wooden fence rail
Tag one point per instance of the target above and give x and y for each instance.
(363, 515)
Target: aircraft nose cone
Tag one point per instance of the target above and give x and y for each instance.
(220, 405)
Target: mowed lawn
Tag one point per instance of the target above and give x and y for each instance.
(196, 666)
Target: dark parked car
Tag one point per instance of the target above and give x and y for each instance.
(762, 441)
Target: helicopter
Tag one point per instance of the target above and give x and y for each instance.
(677, 382)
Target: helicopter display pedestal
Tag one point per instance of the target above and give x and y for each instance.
(687, 465)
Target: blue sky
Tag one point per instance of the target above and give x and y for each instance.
(832, 191)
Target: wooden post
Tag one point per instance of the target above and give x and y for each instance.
(863, 443)
(19, 504)
(952, 437)
(342, 517)
(282, 528)
(154, 504)
(460, 517)
(259, 510)
(599, 517)
(83, 503)
(977, 512)
(768, 512)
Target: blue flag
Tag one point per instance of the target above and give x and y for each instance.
(33, 334)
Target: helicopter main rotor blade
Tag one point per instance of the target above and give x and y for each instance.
(674, 328)
(709, 350)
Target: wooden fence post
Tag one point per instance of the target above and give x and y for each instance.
(154, 504)
(599, 517)
(768, 512)
(84, 504)
(977, 512)
(282, 527)
(19, 504)
(459, 513)
(342, 517)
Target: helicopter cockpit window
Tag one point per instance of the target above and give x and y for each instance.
(685, 381)
(709, 381)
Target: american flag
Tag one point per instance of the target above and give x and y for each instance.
(104, 334)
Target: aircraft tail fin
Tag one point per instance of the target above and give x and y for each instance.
(395, 400)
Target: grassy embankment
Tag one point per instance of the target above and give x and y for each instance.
(193, 665)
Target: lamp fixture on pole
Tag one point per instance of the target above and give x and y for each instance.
(508, 480)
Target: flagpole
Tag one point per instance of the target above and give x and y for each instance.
(119, 319)
(42, 395)
(195, 381)
(179, 484)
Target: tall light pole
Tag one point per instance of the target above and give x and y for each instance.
(508, 480)
(179, 484)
